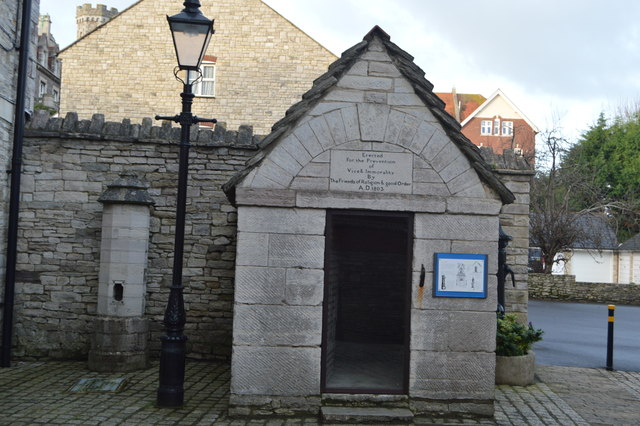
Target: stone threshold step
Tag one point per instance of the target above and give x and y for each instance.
(364, 400)
(331, 414)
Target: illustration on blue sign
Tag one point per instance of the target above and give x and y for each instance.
(460, 275)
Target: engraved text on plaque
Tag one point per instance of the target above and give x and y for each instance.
(370, 171)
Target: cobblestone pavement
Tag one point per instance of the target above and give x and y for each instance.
(600, 396)
(39, 393)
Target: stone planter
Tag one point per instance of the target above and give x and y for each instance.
(515, 370)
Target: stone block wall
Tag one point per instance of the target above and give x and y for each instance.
(452, 342)
(10, 23)
(516, 174)
(67, 166)
(565, 288)
(264, 64)
(278, 309)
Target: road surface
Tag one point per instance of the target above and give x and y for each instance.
(576, 335)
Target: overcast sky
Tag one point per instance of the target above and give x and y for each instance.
(569, 58)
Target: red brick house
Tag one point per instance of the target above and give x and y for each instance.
(494, 122)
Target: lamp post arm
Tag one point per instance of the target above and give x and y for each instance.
(175, 118)
(197, 119)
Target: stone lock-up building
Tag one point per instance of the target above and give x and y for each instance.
(340, 217)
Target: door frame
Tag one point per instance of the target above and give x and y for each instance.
(409, 217)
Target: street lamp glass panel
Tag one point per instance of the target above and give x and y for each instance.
(191, 41)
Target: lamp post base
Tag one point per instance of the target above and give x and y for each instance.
(172, 365)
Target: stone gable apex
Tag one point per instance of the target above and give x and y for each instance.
(176, 7)
(353, 104)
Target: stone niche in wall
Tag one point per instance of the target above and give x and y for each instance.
(340, 216)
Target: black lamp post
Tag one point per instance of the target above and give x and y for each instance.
(191, 32)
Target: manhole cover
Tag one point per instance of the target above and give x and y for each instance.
(98, 385)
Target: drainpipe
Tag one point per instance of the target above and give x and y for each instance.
(14, 197)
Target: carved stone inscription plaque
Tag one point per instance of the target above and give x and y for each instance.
(370, 171)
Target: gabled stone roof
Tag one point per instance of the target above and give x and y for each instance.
(422, 87)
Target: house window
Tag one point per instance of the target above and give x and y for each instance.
(207, 85)
(43, 88)
(496, 127)
(485, 127)
(507, 128)
(56, 95)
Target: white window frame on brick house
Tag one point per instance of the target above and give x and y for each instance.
(206, 86)
(485, 127)
(507, 128)
(496, 127)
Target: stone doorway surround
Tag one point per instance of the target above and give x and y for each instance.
(369, 135)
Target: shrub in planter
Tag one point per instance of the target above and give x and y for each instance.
(515, 362)
(514, 338)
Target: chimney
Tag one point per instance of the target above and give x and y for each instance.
(44, 25)
(456, 104)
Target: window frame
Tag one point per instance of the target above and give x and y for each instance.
(496, 127)
(197, 87)
(486, 127)
(508, 126)
(42, 90)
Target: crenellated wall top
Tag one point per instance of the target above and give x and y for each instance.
(70, 127)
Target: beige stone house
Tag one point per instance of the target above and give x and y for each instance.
(257, 64)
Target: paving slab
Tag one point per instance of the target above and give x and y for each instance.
(40, 393)
(598, 395)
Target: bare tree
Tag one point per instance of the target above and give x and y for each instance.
(555, 224)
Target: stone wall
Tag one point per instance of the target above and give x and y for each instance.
(565, 288)
(264, 64)
(9, 56)
(67, 165)
(516, 173)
